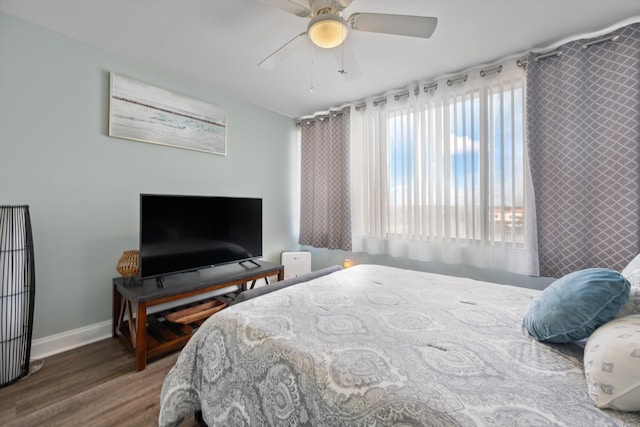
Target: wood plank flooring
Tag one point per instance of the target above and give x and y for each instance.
(94, 385)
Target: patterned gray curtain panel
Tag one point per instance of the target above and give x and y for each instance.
(325, 200)
(583, 129)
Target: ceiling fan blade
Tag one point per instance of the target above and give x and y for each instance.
(289, 6)
(347, 63)
(402, 25)
(283, 51)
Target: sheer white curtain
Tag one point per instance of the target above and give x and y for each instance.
(441, 174)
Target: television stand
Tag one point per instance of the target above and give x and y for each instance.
(149, 335)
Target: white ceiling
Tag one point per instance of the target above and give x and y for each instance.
(217, 44)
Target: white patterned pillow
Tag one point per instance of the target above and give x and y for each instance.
(632, 273)
(631, 268)
(612, 364)
(633, 305)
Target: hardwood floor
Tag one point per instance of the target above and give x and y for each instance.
(94, 385)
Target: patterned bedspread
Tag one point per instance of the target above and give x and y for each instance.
(374, 345)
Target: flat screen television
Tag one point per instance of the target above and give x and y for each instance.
(181, 233)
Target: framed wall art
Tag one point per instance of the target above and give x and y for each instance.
(142, 112)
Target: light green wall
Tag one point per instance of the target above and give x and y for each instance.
(83, 186)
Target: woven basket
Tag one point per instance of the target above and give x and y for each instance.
(128, 264)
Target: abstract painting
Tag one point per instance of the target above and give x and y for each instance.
(142, 112)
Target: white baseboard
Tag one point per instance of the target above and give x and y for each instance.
(58, 343)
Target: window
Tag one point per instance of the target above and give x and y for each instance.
(445, 171)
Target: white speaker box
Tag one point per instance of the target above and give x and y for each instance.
(296, 263)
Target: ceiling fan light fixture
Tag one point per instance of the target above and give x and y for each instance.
(327, 30)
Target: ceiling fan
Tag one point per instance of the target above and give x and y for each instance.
(327, 29)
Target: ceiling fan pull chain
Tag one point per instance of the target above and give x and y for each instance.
(311, 71)
(342, 70)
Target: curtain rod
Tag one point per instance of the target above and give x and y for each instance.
(611, 38)
(558, 52)
(401, 95)
(430, 86)
(497, 69)
(457, 79)
(322, 116)
(548, 54)
(379, 101)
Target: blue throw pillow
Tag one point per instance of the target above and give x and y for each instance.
(572, 307)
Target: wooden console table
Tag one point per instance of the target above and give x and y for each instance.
(151, 334)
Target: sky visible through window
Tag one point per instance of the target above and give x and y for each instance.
(458, 168)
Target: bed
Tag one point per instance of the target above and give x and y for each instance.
(380, 346)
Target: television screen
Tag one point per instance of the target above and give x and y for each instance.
(182, 233)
